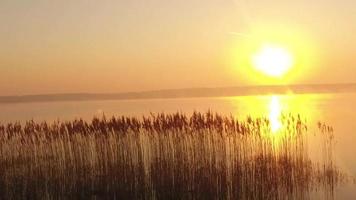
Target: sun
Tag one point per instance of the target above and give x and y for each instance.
(272, 60)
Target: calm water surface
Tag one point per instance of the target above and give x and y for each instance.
(337, 110)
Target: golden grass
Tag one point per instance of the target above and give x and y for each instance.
(163, 156)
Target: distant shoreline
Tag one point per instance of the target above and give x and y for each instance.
(185, 93)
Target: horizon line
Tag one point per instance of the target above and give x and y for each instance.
(186, 93)
(176, 89)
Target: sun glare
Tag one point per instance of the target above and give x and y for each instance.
(272, 60)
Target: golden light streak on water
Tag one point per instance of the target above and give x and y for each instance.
(275, 112)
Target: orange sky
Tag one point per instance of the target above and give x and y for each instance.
(117, 46)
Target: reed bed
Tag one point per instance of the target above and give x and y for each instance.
(163, 156)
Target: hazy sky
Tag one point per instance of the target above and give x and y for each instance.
(133, 45)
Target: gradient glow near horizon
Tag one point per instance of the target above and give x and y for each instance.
(117, 46)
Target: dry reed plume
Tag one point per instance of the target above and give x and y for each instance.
(162, 156)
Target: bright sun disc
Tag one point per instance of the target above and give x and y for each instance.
(272, 60)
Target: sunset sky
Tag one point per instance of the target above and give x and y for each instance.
(121, 45)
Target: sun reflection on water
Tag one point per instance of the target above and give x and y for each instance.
(275, 106)
(275, 112)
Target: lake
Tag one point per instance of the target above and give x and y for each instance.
(337, 110)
